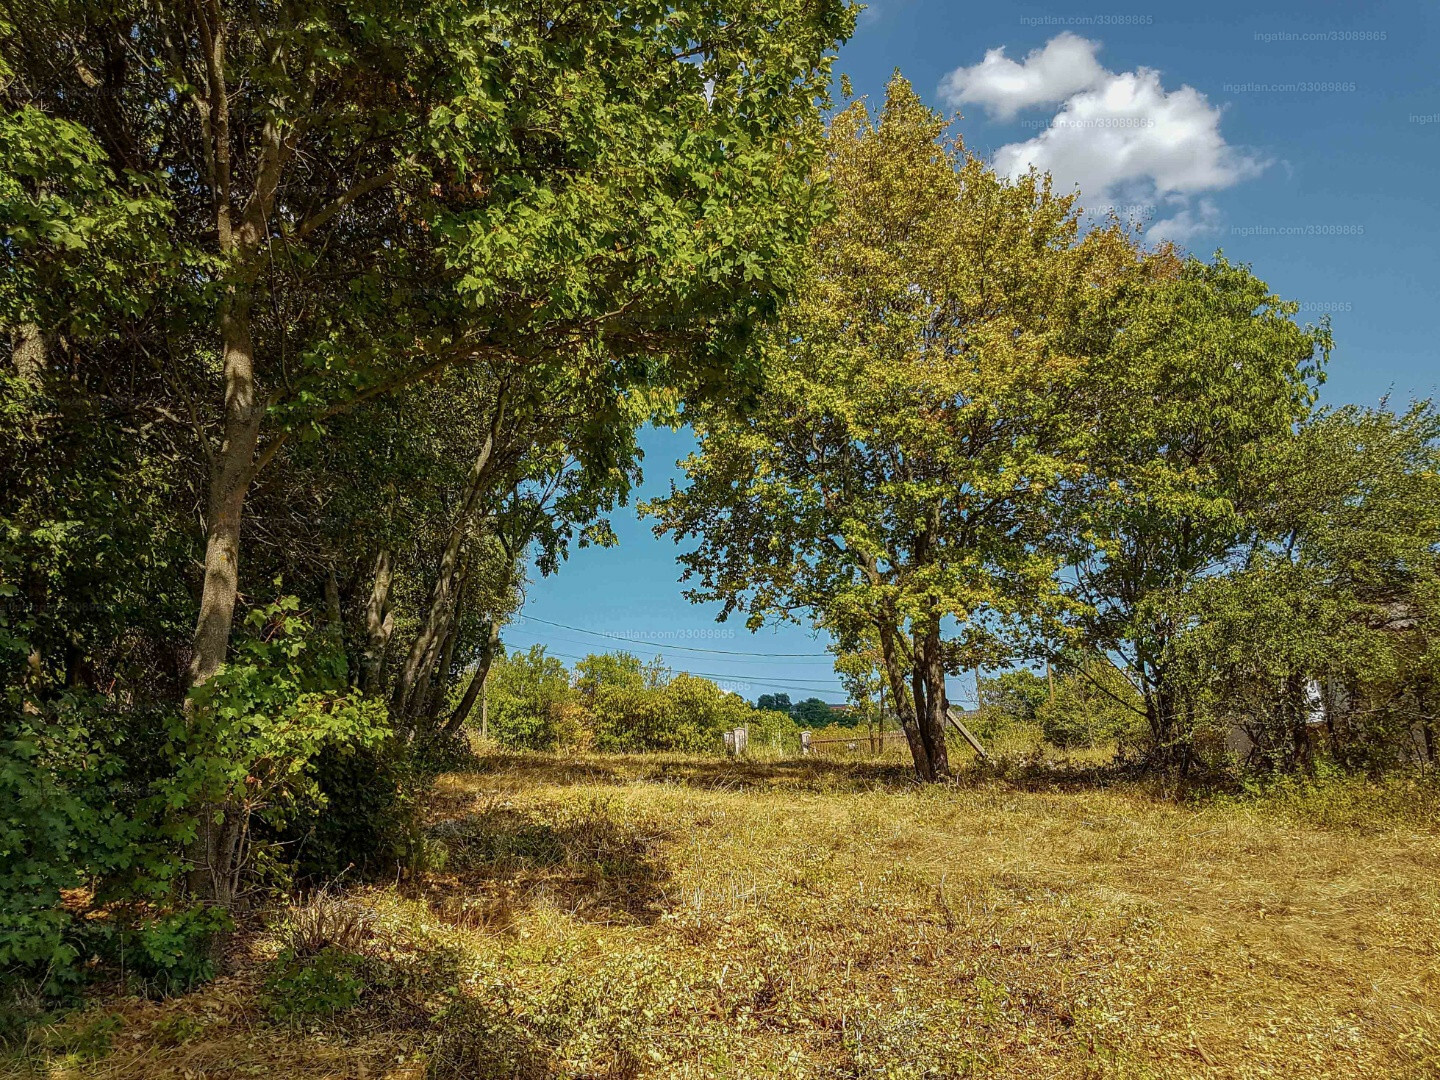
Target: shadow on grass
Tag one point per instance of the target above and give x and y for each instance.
(579, 858)
(482, 1040)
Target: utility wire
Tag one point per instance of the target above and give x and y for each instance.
(793, 684)
(665, 649)
(659, 645)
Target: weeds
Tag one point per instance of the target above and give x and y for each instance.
(685, 917)
(325, 922)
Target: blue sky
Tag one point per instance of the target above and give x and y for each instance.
(1301, 138)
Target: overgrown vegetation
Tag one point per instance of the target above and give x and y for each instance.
(328, 324)
(681, 916)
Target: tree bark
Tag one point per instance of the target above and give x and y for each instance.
(379, 622)
(229, 480)
(427, 639)
(932, 720)
(905, 707)
(477, 681)
(430, 696)
(28, 353)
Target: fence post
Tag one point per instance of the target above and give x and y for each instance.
(804, 742)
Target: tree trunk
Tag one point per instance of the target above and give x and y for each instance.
(1427, 724)
(27, 352)
(905, 708)
(477, 681)
(931, 670)
(379, 623)
(229, 480)
(431, 694)
(441, 598)
(220, 828)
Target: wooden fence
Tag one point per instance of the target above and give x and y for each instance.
(875, 741)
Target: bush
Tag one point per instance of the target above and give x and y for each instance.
(76, 810)
(175, 952)
(527, 693)
(329, 982)
(687, 714)
(359, 816)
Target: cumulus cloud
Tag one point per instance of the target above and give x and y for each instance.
(1188, 223)
(1116, 135)
(1064, 66)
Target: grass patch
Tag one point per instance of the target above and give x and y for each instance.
(669, 916)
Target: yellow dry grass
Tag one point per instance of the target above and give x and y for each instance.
(687, 917)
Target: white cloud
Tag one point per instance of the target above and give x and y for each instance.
(1064, 66)
(1130, 129)
(1188, 223)
(1116, 136)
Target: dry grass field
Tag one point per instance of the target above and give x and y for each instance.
(687, 917)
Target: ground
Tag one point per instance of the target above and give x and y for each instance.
(593, 916)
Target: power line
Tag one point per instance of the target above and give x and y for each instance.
(714, 659)
(658, 645)
(793, 684)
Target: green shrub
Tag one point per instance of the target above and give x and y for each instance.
(76, 810)
(329, 982)
(360, 815)
(175, 952)
(528, 692)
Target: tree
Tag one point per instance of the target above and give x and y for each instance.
(919, 401)
(1330, 614)
(598, 202)
(812, 713)
(528, 699)
(384, 192)
(778, 702)
(1201, 389)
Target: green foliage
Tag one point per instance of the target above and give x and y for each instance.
(303, 988)
(174, 952)
(1094, 705)
(1085, 702)
(254, 729)
(84, 246)
(779, 702)
(1316, 638)
(528, 693)
(615, 702)
(76, 810)
(919, 402)
(696, 712)
(360, 816)
(95, 797)
(813, 713)
(1172, 488)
